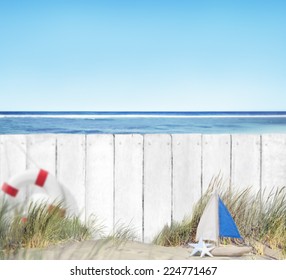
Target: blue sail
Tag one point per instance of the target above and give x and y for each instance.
(227, 226)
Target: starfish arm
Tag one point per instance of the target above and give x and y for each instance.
(194, 252)
(209, 254)
(206, 251)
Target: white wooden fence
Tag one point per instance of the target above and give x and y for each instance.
(146, 180)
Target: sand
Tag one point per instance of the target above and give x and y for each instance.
(110, 250)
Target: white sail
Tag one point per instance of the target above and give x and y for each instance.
(208, 228)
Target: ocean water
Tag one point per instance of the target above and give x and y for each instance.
(142, 122)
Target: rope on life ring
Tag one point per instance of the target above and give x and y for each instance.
(38, 177)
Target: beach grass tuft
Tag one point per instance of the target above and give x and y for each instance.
(121, 234)
(42, 226)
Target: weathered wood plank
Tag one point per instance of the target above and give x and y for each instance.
(41, 153)
(71, 169)
(186, 174)
(245, 162)
(157, 184)
(100, 179)
(216, 158)
(128, 181)
(273, 162)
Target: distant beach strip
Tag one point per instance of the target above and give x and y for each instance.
(74, 122)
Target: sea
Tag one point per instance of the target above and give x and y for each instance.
(78, 122)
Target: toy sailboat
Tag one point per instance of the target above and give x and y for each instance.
(217, 222)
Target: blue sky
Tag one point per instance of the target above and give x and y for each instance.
(143, 55)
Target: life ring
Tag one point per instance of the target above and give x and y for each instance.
(40, 178)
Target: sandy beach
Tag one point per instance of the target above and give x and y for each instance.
(110, 250)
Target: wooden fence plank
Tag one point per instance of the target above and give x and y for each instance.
(128, 181)
(41, 153)
(100, 179)
(245, 162)
(216, 158)
(186, 174)
(273, 162)
(71, 169)
(157, 184)
(41, 149)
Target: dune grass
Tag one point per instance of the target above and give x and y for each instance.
(122, 233)
(42, 226)
(259, 217)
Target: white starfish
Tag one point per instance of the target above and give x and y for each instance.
(202, 247)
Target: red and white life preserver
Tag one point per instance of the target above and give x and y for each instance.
(40, 178)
